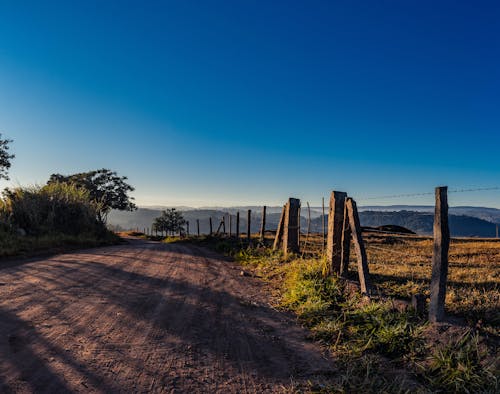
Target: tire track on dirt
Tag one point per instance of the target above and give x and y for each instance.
(146, 317)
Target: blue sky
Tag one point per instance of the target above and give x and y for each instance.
(250, 102)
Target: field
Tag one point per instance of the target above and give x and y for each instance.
(400, 266)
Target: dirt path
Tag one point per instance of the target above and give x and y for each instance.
(146, 317)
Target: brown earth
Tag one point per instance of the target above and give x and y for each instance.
(147, 317)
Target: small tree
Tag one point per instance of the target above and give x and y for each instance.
(105, 187)
(171, 221)
(5, 157)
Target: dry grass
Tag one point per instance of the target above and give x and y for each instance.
(401, 266)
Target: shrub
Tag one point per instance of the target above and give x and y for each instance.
(55, 208)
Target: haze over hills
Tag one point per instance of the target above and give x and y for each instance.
(464, 221)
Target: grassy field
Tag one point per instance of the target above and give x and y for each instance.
(401, 266)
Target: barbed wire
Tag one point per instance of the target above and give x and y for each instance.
(431, 193)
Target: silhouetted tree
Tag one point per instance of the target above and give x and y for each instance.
(5, 157)
(171, 221)
(105, 187)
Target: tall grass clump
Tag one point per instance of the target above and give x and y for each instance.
(34, 219)
(57, 208)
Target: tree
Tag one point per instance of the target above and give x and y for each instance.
(5, 157)
(170, 221)
(105, 187)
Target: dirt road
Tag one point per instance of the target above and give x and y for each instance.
(146, 317)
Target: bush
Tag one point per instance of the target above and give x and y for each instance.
(57, 208)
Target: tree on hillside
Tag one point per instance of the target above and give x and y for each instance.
(5, 157)
(105, 187)
(171, 221)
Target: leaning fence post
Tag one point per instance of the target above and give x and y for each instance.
(279, 230)
(440, 256)
(346, 244)
(249, 224)
(237, 224)
(335, 230)
(363, 271)
(210, 223)
(263, 223)
(291, 226)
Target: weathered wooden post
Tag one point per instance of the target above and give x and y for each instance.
(237, 224)
(335, 230)
(249, 223)
(497, 230)
(263, 223)
(418, 303)
(346, 244)
(210, 224)
(323, 224)
(440, 256)
(279, 231)
(198, 227)
(187, 228)
(223, 224)
(363, 271)
(291, 226)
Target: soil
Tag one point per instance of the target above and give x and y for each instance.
(148, 317)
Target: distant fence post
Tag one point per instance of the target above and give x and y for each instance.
(323, 224)
(497, 230)
(440, 256)
(291, 226)
(335, 230)
(363, 271)
(279, 230)
(346, 244)
(237, 224)
(224, 224)
(249, 224)
(210, 224)
(187, 228)
(263, 223)
(198, 227)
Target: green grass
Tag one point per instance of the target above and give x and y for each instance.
(24, 246)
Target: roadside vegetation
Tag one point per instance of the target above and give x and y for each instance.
(68, 212)
(381, 346)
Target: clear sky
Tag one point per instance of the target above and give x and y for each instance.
(250, 102)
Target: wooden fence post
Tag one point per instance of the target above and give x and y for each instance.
(291, 226)
(440, 256)
(323, 224)
(346, 244)
(210, 223)
(224, 224)
(187, 228)
(279, 230)
(335, 230)
(237, 224)
(198, 227)
(363, 271)
(263, 223)
(249, 224)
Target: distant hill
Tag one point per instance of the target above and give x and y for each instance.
(464, 221)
